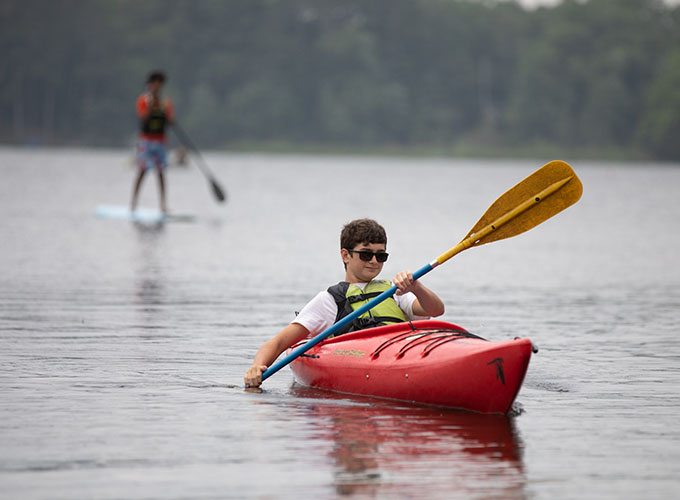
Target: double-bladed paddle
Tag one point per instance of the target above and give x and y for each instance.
(184, 139)
(545, 193)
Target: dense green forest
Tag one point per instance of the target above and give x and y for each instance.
(600, 77)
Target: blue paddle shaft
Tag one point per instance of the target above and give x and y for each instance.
(340, 324)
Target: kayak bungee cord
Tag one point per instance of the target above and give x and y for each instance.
(433, 343)
(421, 339)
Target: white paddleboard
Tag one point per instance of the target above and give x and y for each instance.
(141, 214)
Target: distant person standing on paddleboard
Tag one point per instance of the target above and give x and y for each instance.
(154, 114)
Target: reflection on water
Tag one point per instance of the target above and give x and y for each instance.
(385, 448)
(149, 264)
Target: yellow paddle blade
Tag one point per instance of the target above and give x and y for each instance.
(545, 193)
(568, 190)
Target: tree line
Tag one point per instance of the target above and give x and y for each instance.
(478, 77)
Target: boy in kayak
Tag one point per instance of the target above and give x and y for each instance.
(154, 114)
(363, 245)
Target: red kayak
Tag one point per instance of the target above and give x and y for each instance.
(428, 362)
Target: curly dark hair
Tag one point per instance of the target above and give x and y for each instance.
(156, 76)
(362, 231)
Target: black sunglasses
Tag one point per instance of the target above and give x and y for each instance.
(367, 255)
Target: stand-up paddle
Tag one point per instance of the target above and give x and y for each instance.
(184, 139)
(545, 193)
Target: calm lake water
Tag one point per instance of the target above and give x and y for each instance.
(123, 346)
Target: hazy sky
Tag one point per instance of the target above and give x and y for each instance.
(537, 3)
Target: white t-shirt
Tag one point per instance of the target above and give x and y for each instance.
(320, 312)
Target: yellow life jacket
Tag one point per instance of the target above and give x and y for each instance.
(350, 297)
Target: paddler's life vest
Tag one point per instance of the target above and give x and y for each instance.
(155, 123)
(349, 298)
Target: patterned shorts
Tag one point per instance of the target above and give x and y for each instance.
(151, 154)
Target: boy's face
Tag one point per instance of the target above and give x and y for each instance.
(154, 86)
(358, 270)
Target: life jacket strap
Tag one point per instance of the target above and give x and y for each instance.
(362, 297)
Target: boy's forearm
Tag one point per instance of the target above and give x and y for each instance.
(273, 348)
(428, 301)
(266, 355)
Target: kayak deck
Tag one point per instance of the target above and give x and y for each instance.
(428, 362)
